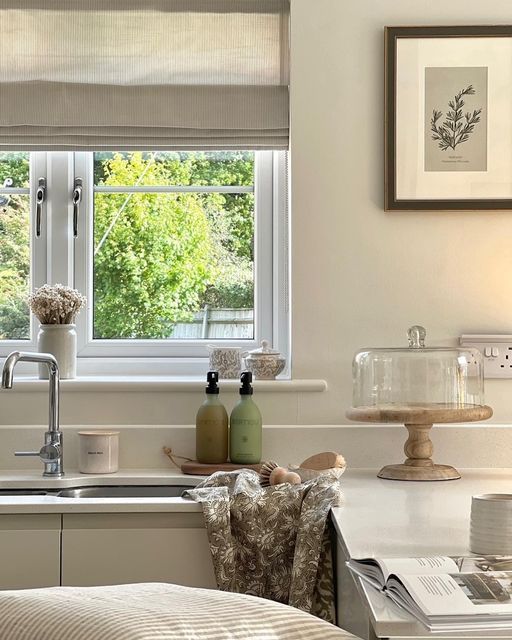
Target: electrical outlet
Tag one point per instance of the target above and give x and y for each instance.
(496, 351)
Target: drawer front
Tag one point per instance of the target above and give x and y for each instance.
(126, 548)
(29, 551)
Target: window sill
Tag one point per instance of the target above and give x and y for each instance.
(183, 370)
(153, 384)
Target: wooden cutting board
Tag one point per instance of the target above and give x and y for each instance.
(195, 468)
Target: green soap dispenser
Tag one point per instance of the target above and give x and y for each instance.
(245, 426)
(212, 431)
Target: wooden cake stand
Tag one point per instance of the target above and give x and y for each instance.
(419, 419)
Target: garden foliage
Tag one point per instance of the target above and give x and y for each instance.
(158, 257)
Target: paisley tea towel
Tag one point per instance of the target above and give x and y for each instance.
(271, 542)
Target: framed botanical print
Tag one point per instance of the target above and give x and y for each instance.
(448, 118)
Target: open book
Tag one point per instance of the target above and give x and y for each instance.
(446, 594)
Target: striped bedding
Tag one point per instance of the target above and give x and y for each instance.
(152, 612)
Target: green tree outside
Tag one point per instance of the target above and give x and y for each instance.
(14, 250)
(159, 257)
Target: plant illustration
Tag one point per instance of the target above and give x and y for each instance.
(457, 126)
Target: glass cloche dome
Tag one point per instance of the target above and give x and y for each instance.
(418, 376)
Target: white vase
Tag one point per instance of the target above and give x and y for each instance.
(60, 341)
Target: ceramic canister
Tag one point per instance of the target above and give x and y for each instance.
(226, 360)
(491, 524)
(99, 451)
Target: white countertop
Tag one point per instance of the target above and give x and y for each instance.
(52, 504)
(378, 517)
(390, 518)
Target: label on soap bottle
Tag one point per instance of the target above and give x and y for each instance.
(246, 441)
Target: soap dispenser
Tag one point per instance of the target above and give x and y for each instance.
(245, 426)
(212, 431)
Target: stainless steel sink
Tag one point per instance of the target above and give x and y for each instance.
(23, 492)
(119, 491)
(125, 491)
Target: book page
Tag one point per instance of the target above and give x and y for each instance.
(424, 566)
(461, 593)
(477, 564)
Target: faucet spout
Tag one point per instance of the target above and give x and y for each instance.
(51, 453)
(8, 370)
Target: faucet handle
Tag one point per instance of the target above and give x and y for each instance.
(47, 453)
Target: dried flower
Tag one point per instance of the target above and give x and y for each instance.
(56, 304)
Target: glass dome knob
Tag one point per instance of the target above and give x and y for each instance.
(416, 335)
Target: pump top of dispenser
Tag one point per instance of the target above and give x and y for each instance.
(212, 377)
(246, 386)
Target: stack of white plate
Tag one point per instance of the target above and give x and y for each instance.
(491, 524)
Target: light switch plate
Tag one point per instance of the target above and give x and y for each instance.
(496, 351)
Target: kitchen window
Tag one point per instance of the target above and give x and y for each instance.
(174, 250)
(22, 259)
(156, 177)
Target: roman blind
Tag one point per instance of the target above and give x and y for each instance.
(144, 74)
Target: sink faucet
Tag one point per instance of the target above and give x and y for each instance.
(51, 453)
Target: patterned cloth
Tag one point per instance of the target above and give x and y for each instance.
(271, 542)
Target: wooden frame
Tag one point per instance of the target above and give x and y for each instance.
(396, 202)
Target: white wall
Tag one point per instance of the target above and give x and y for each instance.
(361, 277)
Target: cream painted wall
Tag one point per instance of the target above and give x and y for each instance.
(362, 276)
(359, 276)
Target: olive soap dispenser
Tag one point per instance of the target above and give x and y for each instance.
(245, 426)
(212, 431)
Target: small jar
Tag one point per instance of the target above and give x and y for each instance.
(265, 363)
(99, 451)
(227, 361)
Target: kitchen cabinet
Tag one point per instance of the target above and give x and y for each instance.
(107, 548)
(29, 550)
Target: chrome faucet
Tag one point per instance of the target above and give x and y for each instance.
(51, 453)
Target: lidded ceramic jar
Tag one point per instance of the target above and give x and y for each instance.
(418, 376)
(98, 451)
(265, 363)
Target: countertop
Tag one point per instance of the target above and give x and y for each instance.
(391, 518)
(386, 518)
(52, 504)
(378, 517)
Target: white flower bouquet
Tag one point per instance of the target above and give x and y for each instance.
(56, 304)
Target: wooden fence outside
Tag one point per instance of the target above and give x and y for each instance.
(217, 324)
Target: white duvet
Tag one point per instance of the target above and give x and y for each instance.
(152, 612)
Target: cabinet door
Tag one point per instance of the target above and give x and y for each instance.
(102, 549)
(29, 551)
(352, 615)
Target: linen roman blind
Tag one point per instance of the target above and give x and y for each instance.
(144, 74)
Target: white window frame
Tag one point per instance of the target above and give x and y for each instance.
(38, 247)
(264, 260)
(58, 257)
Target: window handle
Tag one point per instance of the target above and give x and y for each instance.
(77, 199)
(40, 198)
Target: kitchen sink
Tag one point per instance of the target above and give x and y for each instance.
(24, 492)
(125, 491)
(119, 491)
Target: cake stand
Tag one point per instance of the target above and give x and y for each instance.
(419, 419)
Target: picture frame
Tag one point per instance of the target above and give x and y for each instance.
(448, 118)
